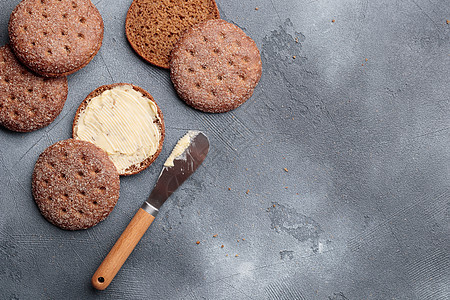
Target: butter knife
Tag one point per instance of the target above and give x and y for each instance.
(185, 158)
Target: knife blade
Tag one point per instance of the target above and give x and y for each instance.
(176, 171)
(185, 158)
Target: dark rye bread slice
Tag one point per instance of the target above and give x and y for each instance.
(153, 27)
(215, 66)
(136, 168)
(27, 101)
(75, 184)
(55, 37)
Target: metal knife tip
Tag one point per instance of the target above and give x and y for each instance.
(180, 147)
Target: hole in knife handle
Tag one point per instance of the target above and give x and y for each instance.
(101, 279)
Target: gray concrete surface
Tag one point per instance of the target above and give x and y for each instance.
(361, 213)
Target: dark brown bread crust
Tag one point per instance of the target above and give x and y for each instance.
(153, 27)
(27, 101)
(146, 163)
(75, 184)
(55, 38)
(215, 66)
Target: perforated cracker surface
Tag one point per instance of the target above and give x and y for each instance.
(215, 66)
(27, 101)
(75, 184)
(55, 37)
(153, 27)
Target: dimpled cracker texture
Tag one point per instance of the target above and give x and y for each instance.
(153, 27)
(55, 37)
(75, 184)
(27, 101)
(215, 66)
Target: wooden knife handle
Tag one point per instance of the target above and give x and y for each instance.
(122, 249)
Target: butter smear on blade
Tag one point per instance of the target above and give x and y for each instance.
(121, 122)
(180, 147)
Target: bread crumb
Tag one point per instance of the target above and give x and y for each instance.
(248, 191)
(238, 241)
(366, 59)
(332, 21)
(214, 236)
(243, 239)
(229, 189)
(448, 22)
(256, 8)
(294, 57)
(362, 64)
(236, 255)
(222, 246)
(285, 187)
(286, 169)
(273, 205)
(296, 39)
(198, 242)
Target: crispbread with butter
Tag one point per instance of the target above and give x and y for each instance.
(125, 121)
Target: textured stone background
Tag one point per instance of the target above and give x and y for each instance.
(362, 213)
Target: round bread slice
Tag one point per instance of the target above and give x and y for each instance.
(27, 101)
(75, 184)
(153, 27)
(55, 38)
(215, 66)
(125, 121)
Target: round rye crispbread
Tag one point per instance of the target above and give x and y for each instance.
(153, 27)
(138, 167)
(75, 184)
(55, 37)
(27, 101)
(215, 66)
